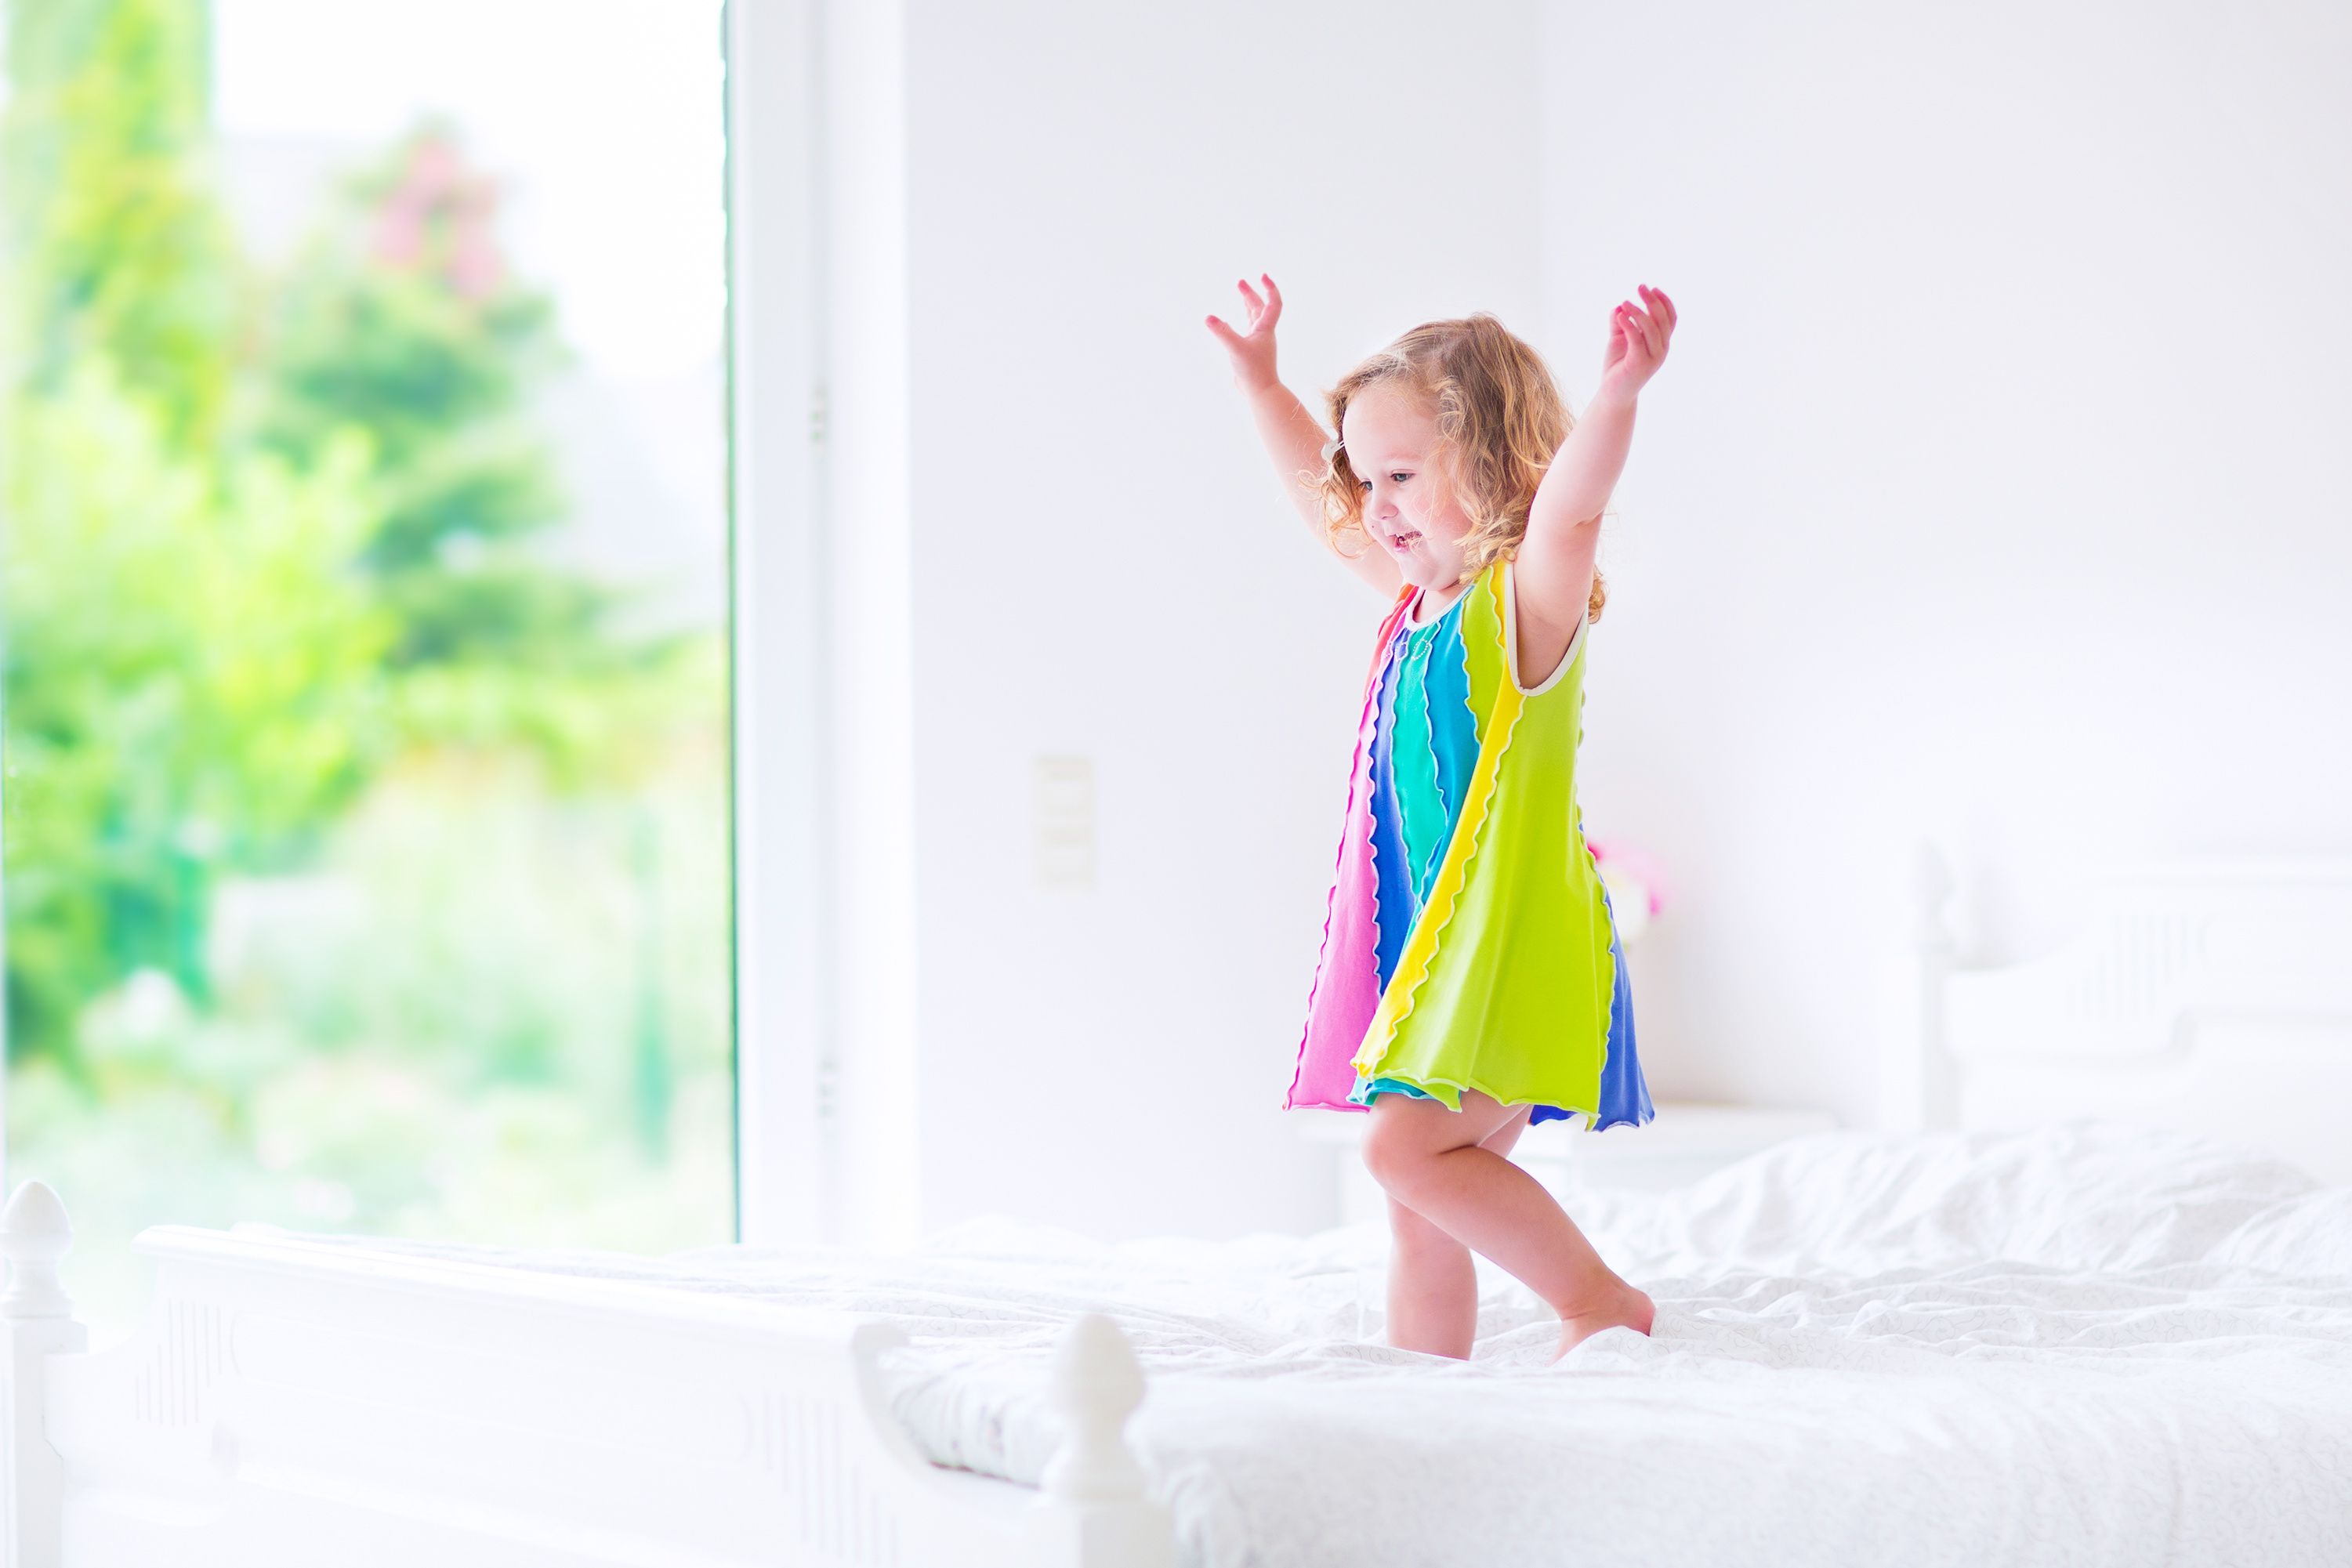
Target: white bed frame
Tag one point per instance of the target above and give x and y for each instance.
(312, 1405)
(2212, 997)
(299, 1402)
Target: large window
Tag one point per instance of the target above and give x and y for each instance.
(363, 562)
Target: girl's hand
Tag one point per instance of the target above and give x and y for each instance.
(1637, 344)
(1252, 352)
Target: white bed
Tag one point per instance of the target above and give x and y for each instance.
(2072, 1344)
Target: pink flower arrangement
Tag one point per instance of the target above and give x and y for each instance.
(1628, 870)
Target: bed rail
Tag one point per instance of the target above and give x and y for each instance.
(290, 1401)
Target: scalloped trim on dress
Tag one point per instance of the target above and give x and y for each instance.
(1452, 878)
(1358, 778)
(1591, 1116)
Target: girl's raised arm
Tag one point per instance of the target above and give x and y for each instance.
(1293, 438)
(1552, 574)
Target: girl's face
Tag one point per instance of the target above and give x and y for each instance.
(1410, 510)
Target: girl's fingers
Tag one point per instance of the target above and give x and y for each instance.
(1272, 299)
(1660, 308)
(1256, 305)
(1224, 334)
(1630, 319)
(1662, 311)
(1653, 338)
(1639, 333)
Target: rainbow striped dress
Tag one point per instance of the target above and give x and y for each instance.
(1468, 942)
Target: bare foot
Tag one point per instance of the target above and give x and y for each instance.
(1623, 1307)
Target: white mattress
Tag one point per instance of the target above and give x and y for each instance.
(2080, 1346)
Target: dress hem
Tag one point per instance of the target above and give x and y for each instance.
(1561, 1107)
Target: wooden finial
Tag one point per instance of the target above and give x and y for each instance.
(1096, 1387)
(34, 1236)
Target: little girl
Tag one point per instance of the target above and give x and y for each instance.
(1471, 980)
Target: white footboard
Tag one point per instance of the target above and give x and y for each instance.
(296, 1403)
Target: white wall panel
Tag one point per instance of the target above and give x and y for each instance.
(1104, 568)
(1996, 489)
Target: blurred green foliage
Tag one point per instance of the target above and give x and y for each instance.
(263, 537)
(402, 323)
(193, 676)
(359, 869)
(195, 684)
(118, 252)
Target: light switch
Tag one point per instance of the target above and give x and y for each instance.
(1062, 823)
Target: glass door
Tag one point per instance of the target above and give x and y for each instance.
(363, 588)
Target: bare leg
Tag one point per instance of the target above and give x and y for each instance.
(1434, 1164)
(1432, 1284)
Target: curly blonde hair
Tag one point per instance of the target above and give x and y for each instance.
(1500, 420)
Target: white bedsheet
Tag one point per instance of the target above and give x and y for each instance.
(2083, 1345)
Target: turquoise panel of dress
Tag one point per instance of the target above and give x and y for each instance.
(1424, 745)
(1453, 734)
(1436, 743)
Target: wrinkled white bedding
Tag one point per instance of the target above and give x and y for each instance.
(2082, 1345)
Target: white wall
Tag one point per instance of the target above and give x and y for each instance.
(1103, 568)
(1998, 488)
(1994, 492)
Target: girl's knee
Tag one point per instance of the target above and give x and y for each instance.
(1395, 1152)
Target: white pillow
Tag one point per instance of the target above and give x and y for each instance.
(2073, 1195)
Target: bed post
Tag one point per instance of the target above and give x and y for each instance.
(37, 1317)
(1918, 1084)
(1094, 1512)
